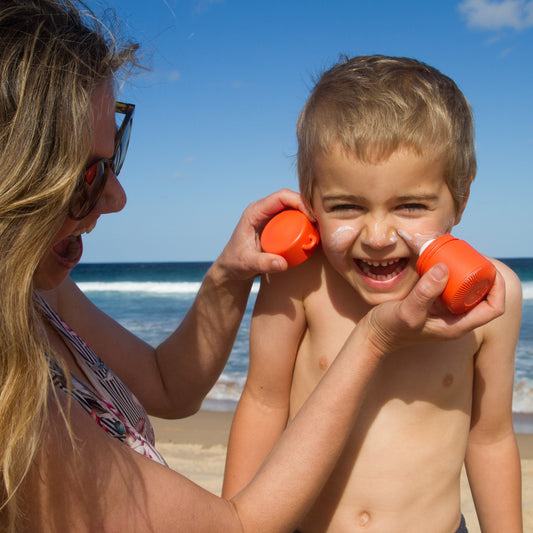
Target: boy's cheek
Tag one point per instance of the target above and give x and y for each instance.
(339, 237)
(416, 239)
(416, 235)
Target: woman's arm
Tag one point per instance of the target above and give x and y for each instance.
(105, 486)
(173, 379)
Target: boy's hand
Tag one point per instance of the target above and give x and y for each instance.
(242, 258)
(420, 317)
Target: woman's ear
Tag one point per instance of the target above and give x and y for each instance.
(464, 201)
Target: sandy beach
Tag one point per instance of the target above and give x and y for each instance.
(196, 447)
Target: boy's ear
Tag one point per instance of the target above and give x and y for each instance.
(466, 195)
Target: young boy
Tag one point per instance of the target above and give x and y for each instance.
(385, 161)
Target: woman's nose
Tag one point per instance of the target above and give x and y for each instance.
(113, 198)
(378, 233)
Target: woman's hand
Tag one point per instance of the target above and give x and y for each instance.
(420, 317)
(242, 258)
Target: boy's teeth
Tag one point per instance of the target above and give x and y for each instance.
(380, 263)
(381, 270)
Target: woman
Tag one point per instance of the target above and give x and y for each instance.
(77, 451)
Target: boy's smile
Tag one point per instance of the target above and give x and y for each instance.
(374, 216)
(382, 270)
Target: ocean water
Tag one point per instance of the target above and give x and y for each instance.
(150, 299)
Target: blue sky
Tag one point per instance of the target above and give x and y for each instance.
(215, 121)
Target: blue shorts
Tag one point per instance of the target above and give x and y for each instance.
(462, 526)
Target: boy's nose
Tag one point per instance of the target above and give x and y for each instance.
(378, 233)
(113, 198)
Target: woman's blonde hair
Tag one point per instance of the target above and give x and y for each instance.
(371, 106)
(53, 54)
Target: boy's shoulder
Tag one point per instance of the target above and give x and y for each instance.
(314, 285)
(300, 278)
(513, 285)
(509, 321)
(307, 277)
(313, 279)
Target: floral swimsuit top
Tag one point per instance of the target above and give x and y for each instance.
(111, 404)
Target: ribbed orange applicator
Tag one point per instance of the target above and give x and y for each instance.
(471, 274)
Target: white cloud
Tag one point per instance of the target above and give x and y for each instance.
(493, 15)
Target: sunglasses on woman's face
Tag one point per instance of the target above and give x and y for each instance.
(92, 183)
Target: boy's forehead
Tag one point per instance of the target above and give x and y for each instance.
(337, 156)
(403, 173)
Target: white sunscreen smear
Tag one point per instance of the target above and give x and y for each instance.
(418, 241)
(341, 237)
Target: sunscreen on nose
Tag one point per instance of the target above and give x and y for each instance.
(471, 274)
(291, 235)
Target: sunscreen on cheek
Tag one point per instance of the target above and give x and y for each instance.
(471, 274)
(417, 240)
(341, 238)
(291, 235)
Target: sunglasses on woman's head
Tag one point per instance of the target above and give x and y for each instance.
(92, 183)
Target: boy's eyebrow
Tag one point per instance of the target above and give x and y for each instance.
(346, 197)
(418, 198)
(429, 197)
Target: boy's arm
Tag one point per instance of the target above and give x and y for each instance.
(262, 413)
(492, 459)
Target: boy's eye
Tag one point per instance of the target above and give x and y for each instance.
(345, 207)
(412, 207)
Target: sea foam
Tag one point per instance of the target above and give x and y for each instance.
(163, 288)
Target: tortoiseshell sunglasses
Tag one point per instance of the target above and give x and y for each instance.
(92, 183)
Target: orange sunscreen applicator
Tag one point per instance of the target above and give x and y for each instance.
(291, 235)
(471, 274)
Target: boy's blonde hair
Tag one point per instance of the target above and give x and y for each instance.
(374, 105)
(52, 57)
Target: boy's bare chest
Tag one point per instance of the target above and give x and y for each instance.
(433, 372)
